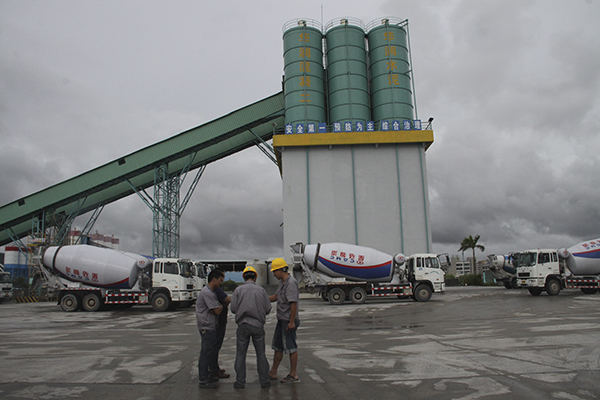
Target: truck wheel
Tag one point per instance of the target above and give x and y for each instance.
(91, 302)
(324, 295)
(69, 303)
(535, 291)
(422, 293)
(589, 291)
(336, 296)
(553, 287)
(358, 295)
(160, 302)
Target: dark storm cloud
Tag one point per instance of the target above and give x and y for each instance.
(513, 87)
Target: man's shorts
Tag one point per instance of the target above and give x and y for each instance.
(284, 340)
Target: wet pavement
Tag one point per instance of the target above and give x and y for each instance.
(470, 343)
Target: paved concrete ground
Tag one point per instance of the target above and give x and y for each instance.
(470, 343)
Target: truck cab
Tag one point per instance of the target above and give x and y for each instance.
(539, 270)
(201, 271)
(426, 268)
(174, 276)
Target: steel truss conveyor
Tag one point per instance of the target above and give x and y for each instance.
(249, 126)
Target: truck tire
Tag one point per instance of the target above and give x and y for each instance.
(422, 293)
(324, 295)
(91, 302)
(552, 287)
(160, 302)
(535, 291)
(358, 295)
(511, 283)
(69, 302)
(336, 296)
(589, 291)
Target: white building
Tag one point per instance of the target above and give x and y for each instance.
(458, 267)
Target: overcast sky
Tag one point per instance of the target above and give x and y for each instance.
(513, 85)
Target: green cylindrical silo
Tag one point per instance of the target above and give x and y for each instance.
(304, 87)
(347, 82)
(391, 86)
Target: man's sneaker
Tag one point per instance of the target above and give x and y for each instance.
(238, 385)
(207, 385)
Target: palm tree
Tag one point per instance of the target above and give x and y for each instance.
(470, 242)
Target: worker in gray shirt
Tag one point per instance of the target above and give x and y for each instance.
(250, 304)
(207, 310)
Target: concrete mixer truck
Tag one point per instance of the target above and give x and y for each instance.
(340, 272)
(89, 277)
(503, 270)
(549, 270)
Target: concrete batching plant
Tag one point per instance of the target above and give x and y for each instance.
(353, 153)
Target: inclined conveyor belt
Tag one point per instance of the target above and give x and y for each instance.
(198, 146)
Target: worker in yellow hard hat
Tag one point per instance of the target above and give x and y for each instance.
(284, 338)
(278, 263)
(249, 268)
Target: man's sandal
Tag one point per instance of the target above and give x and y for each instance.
(290, 378)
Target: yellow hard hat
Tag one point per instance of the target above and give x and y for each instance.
(278, 263)
(248, 269)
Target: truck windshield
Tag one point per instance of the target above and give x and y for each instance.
(200, 270)
(186, 268)
(5, 278)
(524, 260)
(432, 262)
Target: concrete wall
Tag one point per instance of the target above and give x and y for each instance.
(370, 195)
